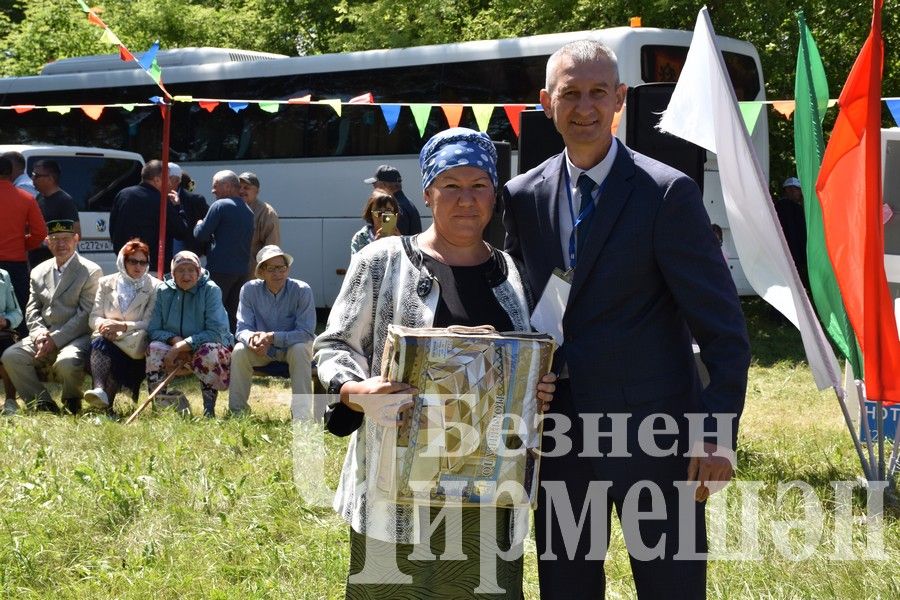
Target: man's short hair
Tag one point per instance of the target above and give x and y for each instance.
(52, 168)
(16, 158)
(6, 166)
(580, 52)
(227, 177)
(151, 170)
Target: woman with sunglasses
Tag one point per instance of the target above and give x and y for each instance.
(119, 321)
(380, 216)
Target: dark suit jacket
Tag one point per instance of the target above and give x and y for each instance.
(135, 214)
(652, 275)
(195, 209)
(408, 222)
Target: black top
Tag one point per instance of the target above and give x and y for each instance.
(466, 298)
(135, 214)
(793, 223)
(408, 222)
(55, 207)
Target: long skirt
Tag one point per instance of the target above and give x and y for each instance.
(432, 579)
(211, 363)
(112, 369)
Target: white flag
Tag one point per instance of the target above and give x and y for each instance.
(704, 110)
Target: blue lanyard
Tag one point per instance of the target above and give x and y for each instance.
(587, 211)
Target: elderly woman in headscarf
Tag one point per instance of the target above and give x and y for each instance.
(447, 275)
(189, 330)
(119, 322)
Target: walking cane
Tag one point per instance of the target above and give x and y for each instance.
(152, 395)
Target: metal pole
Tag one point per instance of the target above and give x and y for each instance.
(856, 443)
(879, 425)
(861, 395)
(895, 453)
(166, 111)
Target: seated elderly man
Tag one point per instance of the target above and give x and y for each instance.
(62, 295)
(276, 321)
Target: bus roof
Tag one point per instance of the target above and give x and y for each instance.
(54, 150)
(620, 38)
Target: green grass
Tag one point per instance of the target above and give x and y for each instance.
(191, 508)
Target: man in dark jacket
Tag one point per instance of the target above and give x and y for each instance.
(195, 209)
(135, 214)
(388, 180)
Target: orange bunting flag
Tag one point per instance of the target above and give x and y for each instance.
(125, 54)
(301, 100)
(513, 113)
(92, 110)
(23, 108)
(784, 107)
(208, 106)
(93, 19)
(453, 112)
(366, 98)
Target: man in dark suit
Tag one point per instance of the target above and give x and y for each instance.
(646, 275)
(135, 214)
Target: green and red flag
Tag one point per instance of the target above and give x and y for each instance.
(849, 190)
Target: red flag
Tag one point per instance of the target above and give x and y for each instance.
(125, 54)
(23, 108)
(208, 105)
(514, 113)
(366, 98)
(849, 188)
(93, 19)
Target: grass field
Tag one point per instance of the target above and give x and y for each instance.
(193, 508)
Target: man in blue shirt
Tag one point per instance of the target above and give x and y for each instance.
(276, 321)
(230, 221)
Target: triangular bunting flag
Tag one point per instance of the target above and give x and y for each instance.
(237, 106)
(483, 114)
(149, 56)
(894, 108)
(420, 114)
(109, 37)
(391, 114)
(128, 107)
(23, 108)
(301, 100)
(784, 107)
(453, 112)
(92, 110)
(182, 98)
(62, 110)
(366, 98)
(208, 105)
(750, 112)
(269, 107)
(125, 54)
(514, 114)
(335, 104)
(832, 102)
(157, 99)
(83, 6)
(93, 19)
(155, 72)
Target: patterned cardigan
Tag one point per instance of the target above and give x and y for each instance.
(387, 283)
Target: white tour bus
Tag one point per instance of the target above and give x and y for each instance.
(310, 161)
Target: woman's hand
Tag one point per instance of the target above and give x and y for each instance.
(545, 390)
(177, 355)
(381, 400)
(111, 330)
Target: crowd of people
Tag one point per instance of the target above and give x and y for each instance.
(626, 238)
(62, 318)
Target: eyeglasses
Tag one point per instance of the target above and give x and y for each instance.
(38, 175)
(383, 213)
(136, 262)
(275, 268)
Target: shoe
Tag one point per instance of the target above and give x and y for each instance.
(209, 403)
(97, 399)
(47, 406)
(10, 407)
(176, 400)
(72, 405)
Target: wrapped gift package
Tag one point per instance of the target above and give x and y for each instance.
(473, 432)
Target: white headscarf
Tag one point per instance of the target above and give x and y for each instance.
(127, 287)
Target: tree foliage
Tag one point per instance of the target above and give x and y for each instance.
(35, 32)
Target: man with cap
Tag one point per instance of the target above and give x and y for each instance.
(135, 214)
(266, 231)
(20, 214)
(195, 208)
(793, 223)
(387, 179)
(55, 204)
(276, 321)
(62, 295)
(229, 224)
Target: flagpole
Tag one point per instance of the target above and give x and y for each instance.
(841, 396)
(860, 396)
(879, 428)
(895, 453)
(164, 189)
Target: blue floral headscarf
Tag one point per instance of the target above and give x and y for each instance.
(457, 147)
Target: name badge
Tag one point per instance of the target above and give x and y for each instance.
(548, 314)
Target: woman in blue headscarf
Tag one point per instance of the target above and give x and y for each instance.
(447, 275)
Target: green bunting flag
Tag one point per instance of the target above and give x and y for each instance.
(109, 37)
(269, 107)
(155, 72)
(335, 104)
(83, 6)
(421, 112)
(483, 114)
(750, 112)
(811, 93)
